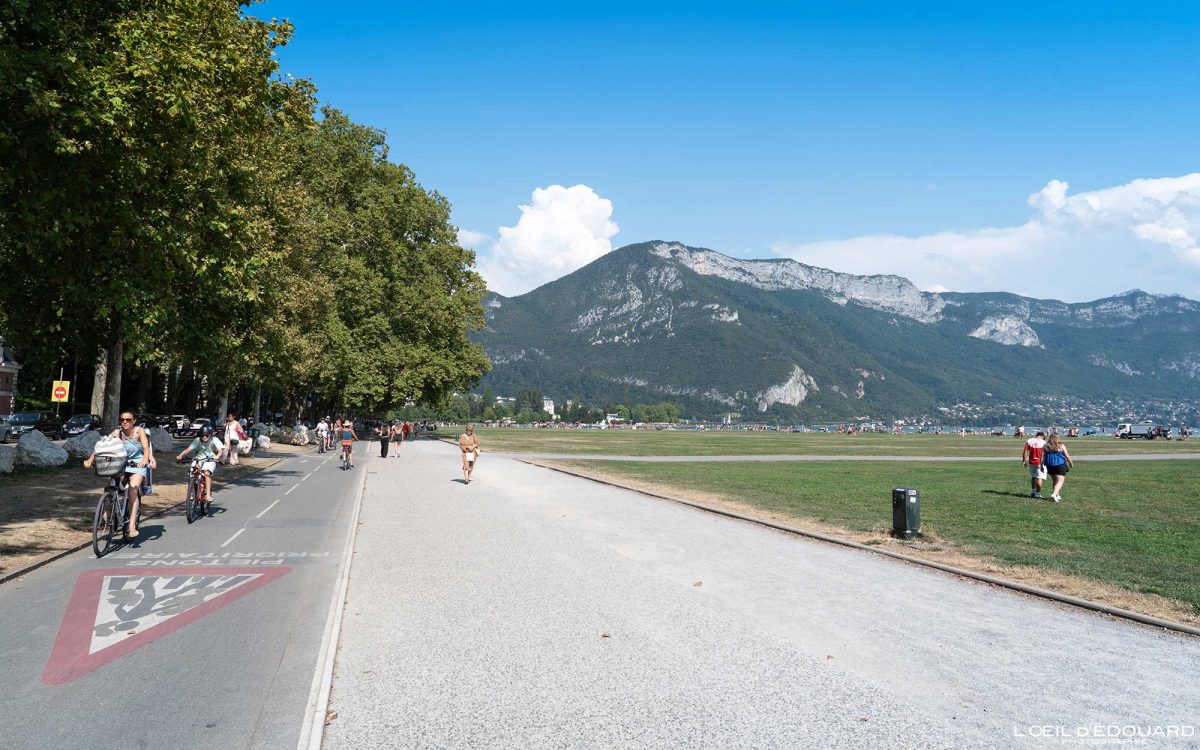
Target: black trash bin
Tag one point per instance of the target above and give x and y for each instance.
(906, 513)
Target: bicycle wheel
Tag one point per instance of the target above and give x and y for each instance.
(104, 523)
(192, 501)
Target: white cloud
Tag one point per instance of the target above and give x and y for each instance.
(467, 238)
(1144, 233)
(560, 230)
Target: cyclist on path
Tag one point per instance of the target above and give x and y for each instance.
(348, 436)
(207, 449)
(138, 456)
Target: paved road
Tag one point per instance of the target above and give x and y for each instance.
(200, 636)
(537, 610)
(815, 457)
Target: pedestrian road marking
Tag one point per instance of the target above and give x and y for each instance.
(264, 510)
(112, 613)
(236, 534)
(293, 489)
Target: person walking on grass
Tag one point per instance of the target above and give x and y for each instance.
(468, 444)
(1057, 460)
(1031, 456)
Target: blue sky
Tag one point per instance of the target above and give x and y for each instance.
(767, 130)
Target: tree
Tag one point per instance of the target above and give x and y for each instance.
(131, 187)
(404, 294)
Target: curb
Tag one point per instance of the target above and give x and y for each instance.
(313, 732)
(1002, 582)
(84, 545)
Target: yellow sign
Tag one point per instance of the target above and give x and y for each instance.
(62, 388)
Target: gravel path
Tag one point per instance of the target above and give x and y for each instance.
(532, 609)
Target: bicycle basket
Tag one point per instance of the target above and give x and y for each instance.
(109, 466)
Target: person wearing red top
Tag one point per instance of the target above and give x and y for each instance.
(1031, 456)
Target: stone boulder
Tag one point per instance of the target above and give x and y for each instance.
(299, 436)
(82, 445)
(8, 455)
(161, 441)
(262, 441)
(34, 449)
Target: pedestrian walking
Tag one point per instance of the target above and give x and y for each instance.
(234, 434)
(385, 437)
(1031, 456)
(1057, 460)
(407, 429)
(468, 444)
(397, 436)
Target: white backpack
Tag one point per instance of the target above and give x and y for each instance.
(110, 456)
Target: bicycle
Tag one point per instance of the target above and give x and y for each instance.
(111, 511)
(321, 441)
(198, 503)
(346, 458)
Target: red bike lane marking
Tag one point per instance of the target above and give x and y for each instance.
(147, 603)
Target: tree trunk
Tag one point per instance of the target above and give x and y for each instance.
(112, 386)
(98, 383)
(257, 402)
(145, 379)
(223, 402)
(172, 389)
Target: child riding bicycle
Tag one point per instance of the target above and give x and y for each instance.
(207, 449)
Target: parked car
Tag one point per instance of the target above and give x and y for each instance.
(193, 427)
(42, 421)
(81, 423)
(179, 422)
(5, 429)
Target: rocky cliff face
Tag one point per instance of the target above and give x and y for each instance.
(888, 293)
(1006, 329)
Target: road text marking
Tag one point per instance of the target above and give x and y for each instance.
(114, 612)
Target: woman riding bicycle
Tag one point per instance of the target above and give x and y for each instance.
(348, 436)
(207, 449)
(138, 455)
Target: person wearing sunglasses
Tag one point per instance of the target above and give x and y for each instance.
(138, 456)
(207, 449)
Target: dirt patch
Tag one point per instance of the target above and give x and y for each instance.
(43, 511)
(927, 548)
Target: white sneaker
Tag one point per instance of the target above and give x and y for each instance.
(1056, 498)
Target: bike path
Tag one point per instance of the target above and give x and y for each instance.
(194, 636)
(532, 609)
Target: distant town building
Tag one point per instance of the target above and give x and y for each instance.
(548, 406)
(8, 381)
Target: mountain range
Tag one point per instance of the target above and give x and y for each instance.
(778, 340)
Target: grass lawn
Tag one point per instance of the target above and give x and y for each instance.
(718, 443)
(1132, 524)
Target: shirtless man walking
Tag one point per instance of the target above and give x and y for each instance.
(468, 443)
